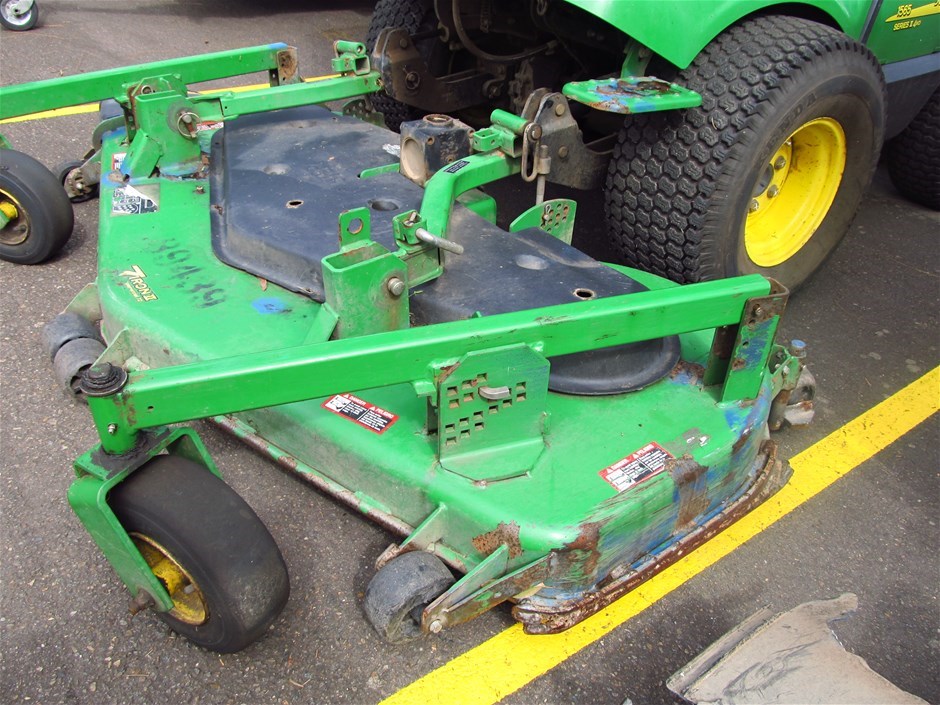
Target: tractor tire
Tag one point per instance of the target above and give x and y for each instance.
(38, 211)
(223, 570)
(765, 176)
(914, 156)
(413, 16)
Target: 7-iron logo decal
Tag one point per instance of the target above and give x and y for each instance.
(137, 285)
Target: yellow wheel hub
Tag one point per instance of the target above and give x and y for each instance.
(189, 604)
(794, 192)
(15, 228)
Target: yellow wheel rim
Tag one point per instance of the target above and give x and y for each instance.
(794, 192)
(189, 604)
(16, 229)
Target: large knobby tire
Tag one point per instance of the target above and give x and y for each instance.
(399, 592)
(914, 156)
(216, 558)
(765, 176)
(37, 210)
(412, 16)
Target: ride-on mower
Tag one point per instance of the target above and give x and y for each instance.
(551, 429)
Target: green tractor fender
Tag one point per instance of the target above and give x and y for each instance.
(678, 30)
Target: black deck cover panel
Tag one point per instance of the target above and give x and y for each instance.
(280, 180)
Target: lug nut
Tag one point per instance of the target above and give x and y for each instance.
(779, 163)
(753, 206)
(773, 191)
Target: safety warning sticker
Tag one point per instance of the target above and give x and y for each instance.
(134, 200)
(636, 467)
(362, 412)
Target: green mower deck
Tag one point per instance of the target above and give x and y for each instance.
(553, 429)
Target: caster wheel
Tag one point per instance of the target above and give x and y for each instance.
(71, 361)
(399, 592)
(13, 18)
(220, 565)
(65, 328)
(74, 183)
(37, 215)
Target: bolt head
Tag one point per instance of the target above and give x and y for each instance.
(797, 348)
(559, 109)
(435, 627)
(396, 287)
(563, 152)
(100, 373)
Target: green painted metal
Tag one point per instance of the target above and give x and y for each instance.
(169, 126)
(510, 121)
(632, 94)
(491, 412)
(473, 457)
(350, 57)
(54, 93)
(283, 376)
(88, 497)
(446, 185)
(678, 30)
(904, 30)
(365, 284)
(555, 216)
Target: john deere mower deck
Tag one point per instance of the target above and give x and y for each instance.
(553, 429)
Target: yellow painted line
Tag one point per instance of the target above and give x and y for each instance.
(508, 661)
(93, 107)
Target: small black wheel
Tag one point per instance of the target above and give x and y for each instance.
(12, 18)
(65, 328)
(70, 362)
(222, 568)
(914, 156)
(399, 592)
(37, 215)
(74, 184)
(765, 176)
(413, 16)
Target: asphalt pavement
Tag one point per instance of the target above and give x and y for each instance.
(870, 318)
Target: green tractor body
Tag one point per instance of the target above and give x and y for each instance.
(729, 136)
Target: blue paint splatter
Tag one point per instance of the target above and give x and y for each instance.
(269, 305)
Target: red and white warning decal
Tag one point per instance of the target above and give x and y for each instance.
(636, 467)
(362, 412)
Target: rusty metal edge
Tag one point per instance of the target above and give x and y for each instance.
(551, 620)
(389, 522)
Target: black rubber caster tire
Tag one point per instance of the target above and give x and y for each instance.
(683, 185)
(399, 592)
(21, 23)
(65, 328)
(71, 361)
(232, 580)
(41, 213)
(914, 156)
(62, 172)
